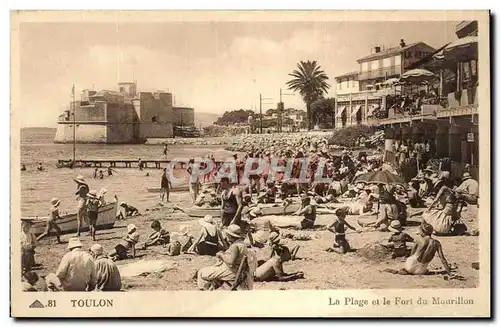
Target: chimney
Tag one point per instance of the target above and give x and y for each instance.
(402, 43)
(377, 49)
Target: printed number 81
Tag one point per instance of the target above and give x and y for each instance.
(51, 303)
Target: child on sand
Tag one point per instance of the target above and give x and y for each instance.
(51, 222)
(181, 242)
(340, 244)
(159, 236)
(308, 210)
(126, 245)
(398, 240)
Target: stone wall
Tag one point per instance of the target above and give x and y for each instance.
(85, 133)
(155, 115)
(183, 116)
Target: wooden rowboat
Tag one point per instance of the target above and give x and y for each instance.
(181, 188)
(267, 210)
(68, 223)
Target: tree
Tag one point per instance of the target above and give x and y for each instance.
(323, 110)
(311, 83)
(235, 117)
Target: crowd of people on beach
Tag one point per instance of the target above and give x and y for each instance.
(382, 197)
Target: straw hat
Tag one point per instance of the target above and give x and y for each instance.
(395, 226)
(55, 202)
(74, 242)
(97, 249)
(79, 179)
(123, 204)
(466, 176)
(131, 227)
(444, 175)
(261, 236)
(233, 230)
(92, 194)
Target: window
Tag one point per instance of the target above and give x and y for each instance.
(397, 60)
(374, 64)
(364, 66)
(387, 62)
(353, 82)
(340, 85)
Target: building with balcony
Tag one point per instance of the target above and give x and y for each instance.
(393, 62)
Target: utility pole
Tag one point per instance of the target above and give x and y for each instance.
(281, 108)
(260, 111)
(74, 126)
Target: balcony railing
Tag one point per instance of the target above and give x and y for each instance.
(380, 72)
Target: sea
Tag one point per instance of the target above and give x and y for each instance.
(130, 185)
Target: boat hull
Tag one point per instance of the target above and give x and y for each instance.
(266, 211)
(69, 224)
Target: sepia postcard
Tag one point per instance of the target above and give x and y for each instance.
(250, 164)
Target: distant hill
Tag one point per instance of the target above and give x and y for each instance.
(204, 118)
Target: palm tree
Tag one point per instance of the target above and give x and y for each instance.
(311, 83)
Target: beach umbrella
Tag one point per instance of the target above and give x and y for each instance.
(381, 176)
(417, 76)
(391, 81)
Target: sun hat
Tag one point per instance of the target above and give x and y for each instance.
(466, 176)
(79, 179)
(395, 226)
(261, 236)
(55, 202)
(74, 242)
(131, 227)
(233, 230)
(208, 222)
(97, 249)
(123, 203)
(444, 175)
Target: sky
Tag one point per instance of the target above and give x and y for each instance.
(211, 66)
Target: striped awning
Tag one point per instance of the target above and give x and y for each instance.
(356, 109)
(339, 112)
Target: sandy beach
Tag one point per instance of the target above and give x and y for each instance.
(322, 270)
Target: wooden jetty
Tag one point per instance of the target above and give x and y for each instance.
(120, 163)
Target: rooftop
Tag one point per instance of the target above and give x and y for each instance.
(388, 52)
(356, 73)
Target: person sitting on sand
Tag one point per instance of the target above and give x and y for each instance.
(159, 236)
(397, 241)
(422, 254)
(76, 271)
(127, 245)
(52, 221)
(276, 240)
(443, 219)
(386, 213)
(224, 270)
(126, 210)
(269, 195)
(468, 190)
(340, 243)
(107, 273)
(40, 167)
(181, 242)
(272, 269)
(28, 282)
(23, 167)
(308, 211)
(209, 241)
(28, 245)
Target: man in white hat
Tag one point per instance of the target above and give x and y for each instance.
(468, 189)
(81, 192)
(107, 274)
(51, 222)
(77, 270)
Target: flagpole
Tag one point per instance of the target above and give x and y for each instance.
(74, 126)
